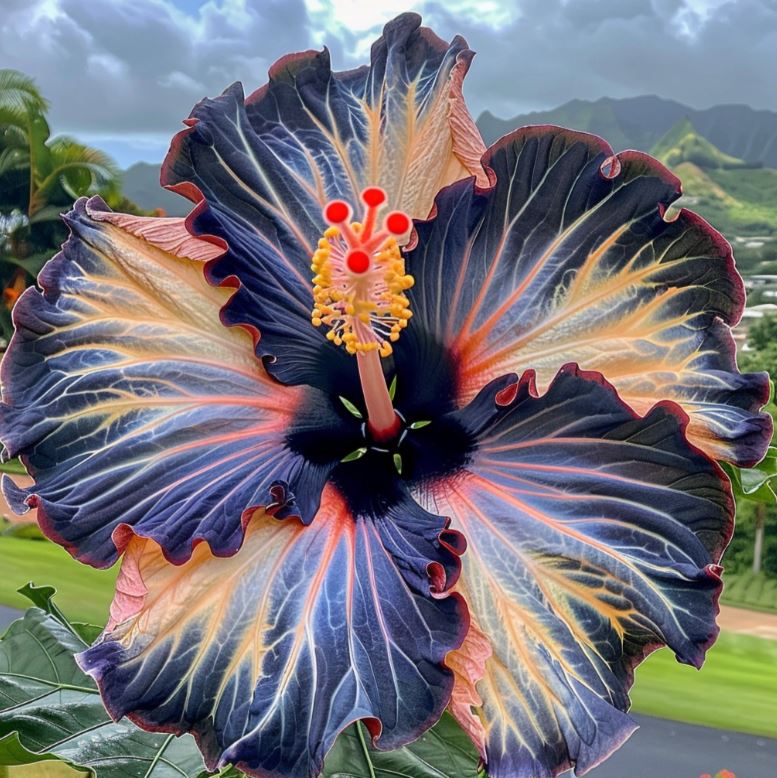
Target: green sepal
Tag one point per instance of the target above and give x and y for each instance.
(350, 407)
(13, 467)
(354, 455)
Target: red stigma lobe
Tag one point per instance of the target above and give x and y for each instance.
(373, 196)
(358, 261)
(397, 223)
(337, 212)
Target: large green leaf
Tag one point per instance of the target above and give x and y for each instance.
(758, 483)
(43, 598)
(49, 709)
(444, 751)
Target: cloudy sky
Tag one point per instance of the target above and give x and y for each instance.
(123, 73)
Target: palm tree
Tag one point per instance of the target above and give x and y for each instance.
(40, 177)
(20, 104)
(56, 170)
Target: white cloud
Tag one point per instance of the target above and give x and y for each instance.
(699, 52)
(181, 81)
(105, 65)
(356, 23)
(128, 68)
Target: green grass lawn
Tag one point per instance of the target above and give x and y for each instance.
(735, 690)
(83, 593)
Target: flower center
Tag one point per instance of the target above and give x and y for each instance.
(360, 280)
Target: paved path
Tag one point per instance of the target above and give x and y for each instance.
(666, 749)
(7, 615)
(762, 625)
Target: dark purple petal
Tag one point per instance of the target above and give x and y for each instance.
(593, 538)
(569, 257)
(266, 166)
(267, 655)
(136, 410)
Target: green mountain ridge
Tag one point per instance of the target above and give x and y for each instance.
(724, 182)
(682, 143)
(140, 183)
(737, 198)
(640, 122)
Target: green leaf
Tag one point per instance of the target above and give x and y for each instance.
(758, 483)
(50, 709)
(393, 387)
(398, 463)
(351, 408)
(356, 454)
(445, 751)
(43, 597)
(13, 466)
(13, 753)
(226, 772)
(417, 425)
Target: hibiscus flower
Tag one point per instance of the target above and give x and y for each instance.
(390, 424)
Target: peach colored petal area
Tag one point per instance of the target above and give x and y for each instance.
(435, 147)
(168, 234)
(130, 591)
(469, 665)
(468, 146)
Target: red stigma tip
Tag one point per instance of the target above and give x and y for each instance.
(337, 212)
(358, 261)
(397, 223)
(373, 196)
